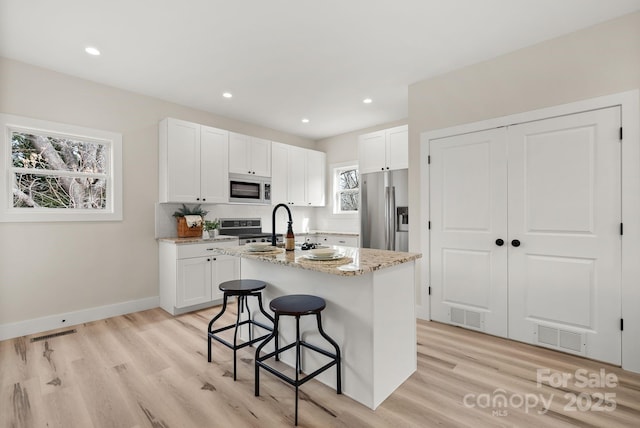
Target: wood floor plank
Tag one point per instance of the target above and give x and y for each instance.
(149, 369)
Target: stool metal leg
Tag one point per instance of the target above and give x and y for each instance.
(335, 345)
(241, 300)
(274, 333)
(270, 318)
(298, 368)
(246, 305)
(224, 308)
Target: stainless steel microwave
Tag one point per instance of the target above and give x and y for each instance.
(249, 189)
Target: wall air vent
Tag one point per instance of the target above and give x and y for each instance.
(467, 318)
(561, 340)
(49, 336)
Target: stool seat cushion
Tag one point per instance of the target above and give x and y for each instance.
(242, 286)
(297, 304)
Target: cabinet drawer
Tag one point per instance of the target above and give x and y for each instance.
(347, 241)
(187, 251)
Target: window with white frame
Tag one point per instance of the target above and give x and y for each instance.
(346, 189)
(59, 172)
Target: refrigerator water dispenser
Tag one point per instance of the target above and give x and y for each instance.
(402, 219)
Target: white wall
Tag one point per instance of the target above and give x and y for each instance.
(56, 268)
(600, 60)
(339, 149)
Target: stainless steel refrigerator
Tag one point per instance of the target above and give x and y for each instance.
(384, 210)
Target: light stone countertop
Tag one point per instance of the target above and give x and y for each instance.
(199, 240)
(356, 261)
(323, 232)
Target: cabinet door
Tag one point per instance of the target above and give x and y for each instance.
(280, 174)
(316, 166)
(260, 157)
(183, 157)
(297, 171)
(214, 172)
(239, 153)
(193, 282)
(224, 268)
(397, 147)
(371, 152)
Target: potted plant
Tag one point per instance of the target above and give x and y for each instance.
(211, 228)
(195, 229)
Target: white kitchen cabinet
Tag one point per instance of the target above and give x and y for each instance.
(298, 175)
(249, 155)
(384, 150)
(191, 273)
(192, 162)
(316, 173)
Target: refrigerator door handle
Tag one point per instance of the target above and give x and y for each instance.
(392, 218)
(387, 220)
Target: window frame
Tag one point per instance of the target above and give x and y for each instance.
(336, 170)
(113, 142)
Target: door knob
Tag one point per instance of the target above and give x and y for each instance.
(515, 243)
(499, 242)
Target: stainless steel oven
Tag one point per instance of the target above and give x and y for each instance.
(246, 229)
(248, 189)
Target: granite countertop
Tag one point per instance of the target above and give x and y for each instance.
(324, 232)
(199, 240)
(356, 261)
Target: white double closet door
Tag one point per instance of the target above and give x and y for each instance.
(525, 232)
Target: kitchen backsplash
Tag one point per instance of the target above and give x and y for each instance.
(304, 219)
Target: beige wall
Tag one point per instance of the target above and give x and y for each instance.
(53, 268)
(599, 60)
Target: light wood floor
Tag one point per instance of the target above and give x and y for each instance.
(149, 369)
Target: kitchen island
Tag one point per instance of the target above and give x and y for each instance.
(370, 313)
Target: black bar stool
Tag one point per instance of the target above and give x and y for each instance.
(297, 305)
(243, 288)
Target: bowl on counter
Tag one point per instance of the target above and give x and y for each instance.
(258, 246)
(323, 252)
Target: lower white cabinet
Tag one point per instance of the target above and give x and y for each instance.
(191, 273)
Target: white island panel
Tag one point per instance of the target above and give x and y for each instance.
(371, 316)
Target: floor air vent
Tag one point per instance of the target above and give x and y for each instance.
(559, 339)
(49, 336)
(467, 318)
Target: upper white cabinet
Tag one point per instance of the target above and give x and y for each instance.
(249, 155)
(298, 176)
(315, 183)
(192, 162)
(384, 150)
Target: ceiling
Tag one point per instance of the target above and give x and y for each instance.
(284, 60)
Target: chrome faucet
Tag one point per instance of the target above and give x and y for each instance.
(273, 221)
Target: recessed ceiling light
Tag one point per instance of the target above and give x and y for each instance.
(92, 51)
(305, 120)
(367, 101)
(227, 95)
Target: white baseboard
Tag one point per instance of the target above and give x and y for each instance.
(38, 325)
(422, 312)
